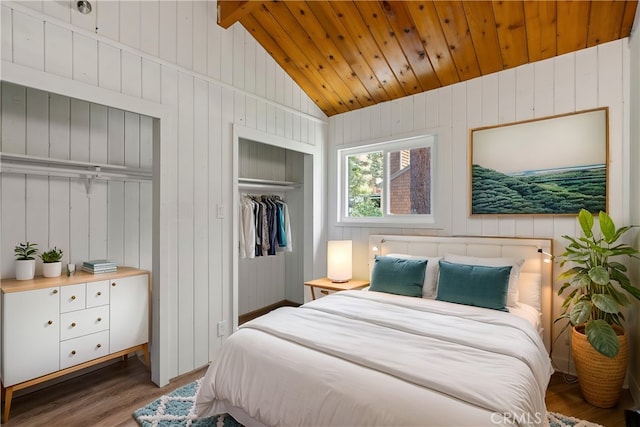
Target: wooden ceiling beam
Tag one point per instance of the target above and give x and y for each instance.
(232, 11)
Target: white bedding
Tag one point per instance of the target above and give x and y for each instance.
(366, 358)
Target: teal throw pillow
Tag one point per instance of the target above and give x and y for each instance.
(398, 276)
(476, 285)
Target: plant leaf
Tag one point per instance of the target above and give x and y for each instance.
(602, 337)
(580, 312)
(607, 227)
(605, 303)
(599, 275)
(631, 289)
(585, 218)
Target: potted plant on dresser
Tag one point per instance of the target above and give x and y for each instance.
(52, 264)
(598, 288)
(25, 260)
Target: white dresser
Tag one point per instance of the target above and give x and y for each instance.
(54, 326)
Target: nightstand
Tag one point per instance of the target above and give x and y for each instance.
(325, 285)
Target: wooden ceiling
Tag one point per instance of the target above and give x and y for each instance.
(351, 54)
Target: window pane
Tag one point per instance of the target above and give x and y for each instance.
(410, 182)
(365, 184)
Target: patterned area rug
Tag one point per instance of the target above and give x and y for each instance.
(178, 409)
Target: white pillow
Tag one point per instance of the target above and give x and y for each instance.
(515, 263)
(430, 283)
(529, 289)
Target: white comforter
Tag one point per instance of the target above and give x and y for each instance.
(365, 358)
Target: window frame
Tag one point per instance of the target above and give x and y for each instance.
(388, 146)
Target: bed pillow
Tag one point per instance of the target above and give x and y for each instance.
(530, 289)
(398, 276)
(430, 275)
(476, 285)
(515, 263)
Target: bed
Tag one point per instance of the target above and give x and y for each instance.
(380, 357)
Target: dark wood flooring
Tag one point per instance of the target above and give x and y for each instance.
(108, 397)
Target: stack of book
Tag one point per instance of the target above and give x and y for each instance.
(99, 266)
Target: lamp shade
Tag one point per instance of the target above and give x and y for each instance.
(339, 260)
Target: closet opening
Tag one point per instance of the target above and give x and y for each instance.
(273, 189)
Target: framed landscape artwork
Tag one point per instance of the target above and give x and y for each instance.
(551, 166)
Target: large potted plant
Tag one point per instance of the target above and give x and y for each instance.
(597, 287)
(52, 264)
(25, 260)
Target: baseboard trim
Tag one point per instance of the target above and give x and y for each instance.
(264, 310)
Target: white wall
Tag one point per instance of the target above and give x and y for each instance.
(173, 53)
(585, 79)
(114, 220)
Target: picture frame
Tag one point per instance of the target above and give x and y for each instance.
(554, 165)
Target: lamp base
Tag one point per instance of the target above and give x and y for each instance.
(339, 281)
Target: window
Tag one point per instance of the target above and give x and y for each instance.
(388, 182)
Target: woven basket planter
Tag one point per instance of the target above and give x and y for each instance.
(600, 377)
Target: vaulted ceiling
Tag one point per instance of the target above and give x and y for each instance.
(351, 54)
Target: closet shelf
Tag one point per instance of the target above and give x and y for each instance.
(265, 184)
(45, 166)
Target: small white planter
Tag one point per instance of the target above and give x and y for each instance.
(25, 269)
(52, 269)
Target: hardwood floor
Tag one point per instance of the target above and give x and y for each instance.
(104, 398)
(566, 399)
(108, 397)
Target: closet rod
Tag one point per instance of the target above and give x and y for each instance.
(20, 163)
(265, 184)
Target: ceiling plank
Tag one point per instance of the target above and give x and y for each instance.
(511, 32)
(456, 31)
(232, 11)
(285, 30)
(342, 41)
(540, 17)
(630, 11)
(325, 46)
(359, 33)
(572, 25)
(482, 25)
(425, 18)
(600, 18)
(325, 99)
(405, 32)
(378, 27)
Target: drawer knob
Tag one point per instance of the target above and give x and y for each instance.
(73, 297)
(99, 293)
(99, 319)
(73, 325)
(73, 352)
(50, 322)
(99, 345)
(55, 291)
(113, 284)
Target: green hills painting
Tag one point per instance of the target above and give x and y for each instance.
(546, 191)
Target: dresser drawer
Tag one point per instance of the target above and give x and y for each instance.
(97, 293)
(84, 322)
(72, 298)
(83, 349)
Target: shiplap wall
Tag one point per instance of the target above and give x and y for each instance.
(267, 280)
(585, 79)
(114, 220)
(173, 53)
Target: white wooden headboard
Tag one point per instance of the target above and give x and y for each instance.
(512, 247)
